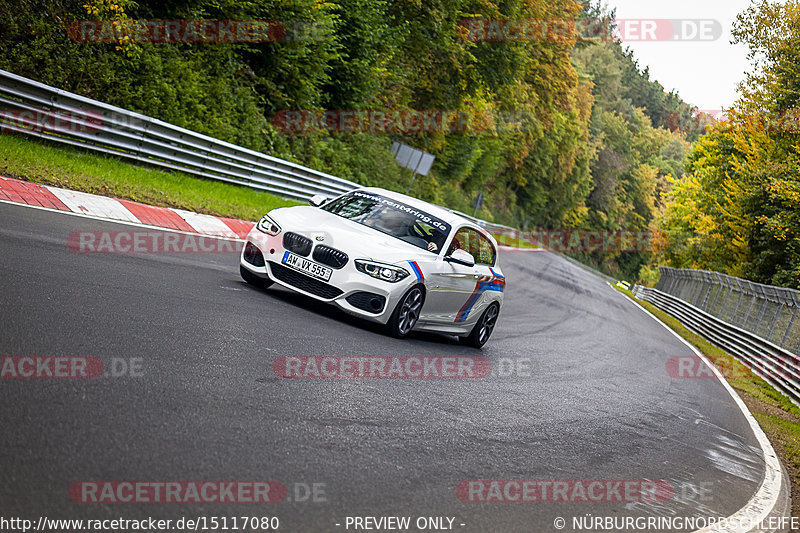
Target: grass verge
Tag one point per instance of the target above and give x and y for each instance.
(775, 413)
(69, 168)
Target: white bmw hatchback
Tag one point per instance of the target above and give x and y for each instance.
(385, 257)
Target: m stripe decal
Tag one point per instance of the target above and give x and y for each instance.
(417, 271)
(495, 283)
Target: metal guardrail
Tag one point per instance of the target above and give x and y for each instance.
(35, 109)
(38, 110)
(764, 310)
(778, 367)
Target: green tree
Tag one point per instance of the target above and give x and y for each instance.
(744, 176)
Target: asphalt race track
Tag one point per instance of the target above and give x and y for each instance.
(589, 397)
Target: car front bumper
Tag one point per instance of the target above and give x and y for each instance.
(354, 292)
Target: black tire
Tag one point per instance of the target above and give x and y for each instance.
(406, 314)
(483, 327)
(254, 279)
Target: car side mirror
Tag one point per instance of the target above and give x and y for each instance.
(461, 257)
(317, 200)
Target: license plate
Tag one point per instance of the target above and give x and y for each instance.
(306, 267)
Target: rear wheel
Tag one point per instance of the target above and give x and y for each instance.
(254, 279)
(483, 328)
(407, 312)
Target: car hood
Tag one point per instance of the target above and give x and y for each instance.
(357, 240)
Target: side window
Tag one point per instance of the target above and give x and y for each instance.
(460, 241)
(476, 244)
(486, 252)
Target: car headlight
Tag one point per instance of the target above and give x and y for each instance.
(268, 226)
(389, 273)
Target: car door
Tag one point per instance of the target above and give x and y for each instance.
(452, 284)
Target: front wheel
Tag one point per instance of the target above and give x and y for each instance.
(483, 328)
(406, 313)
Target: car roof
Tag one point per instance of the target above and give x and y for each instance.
(451, 217)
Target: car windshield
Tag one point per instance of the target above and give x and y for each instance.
(394, 218)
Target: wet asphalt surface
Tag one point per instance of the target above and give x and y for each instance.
(578, 391)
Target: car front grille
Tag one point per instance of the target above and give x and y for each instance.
(367, 301)
(330, 256)
(297, 243)
(303, 282)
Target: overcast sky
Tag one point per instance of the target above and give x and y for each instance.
(705, 73)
